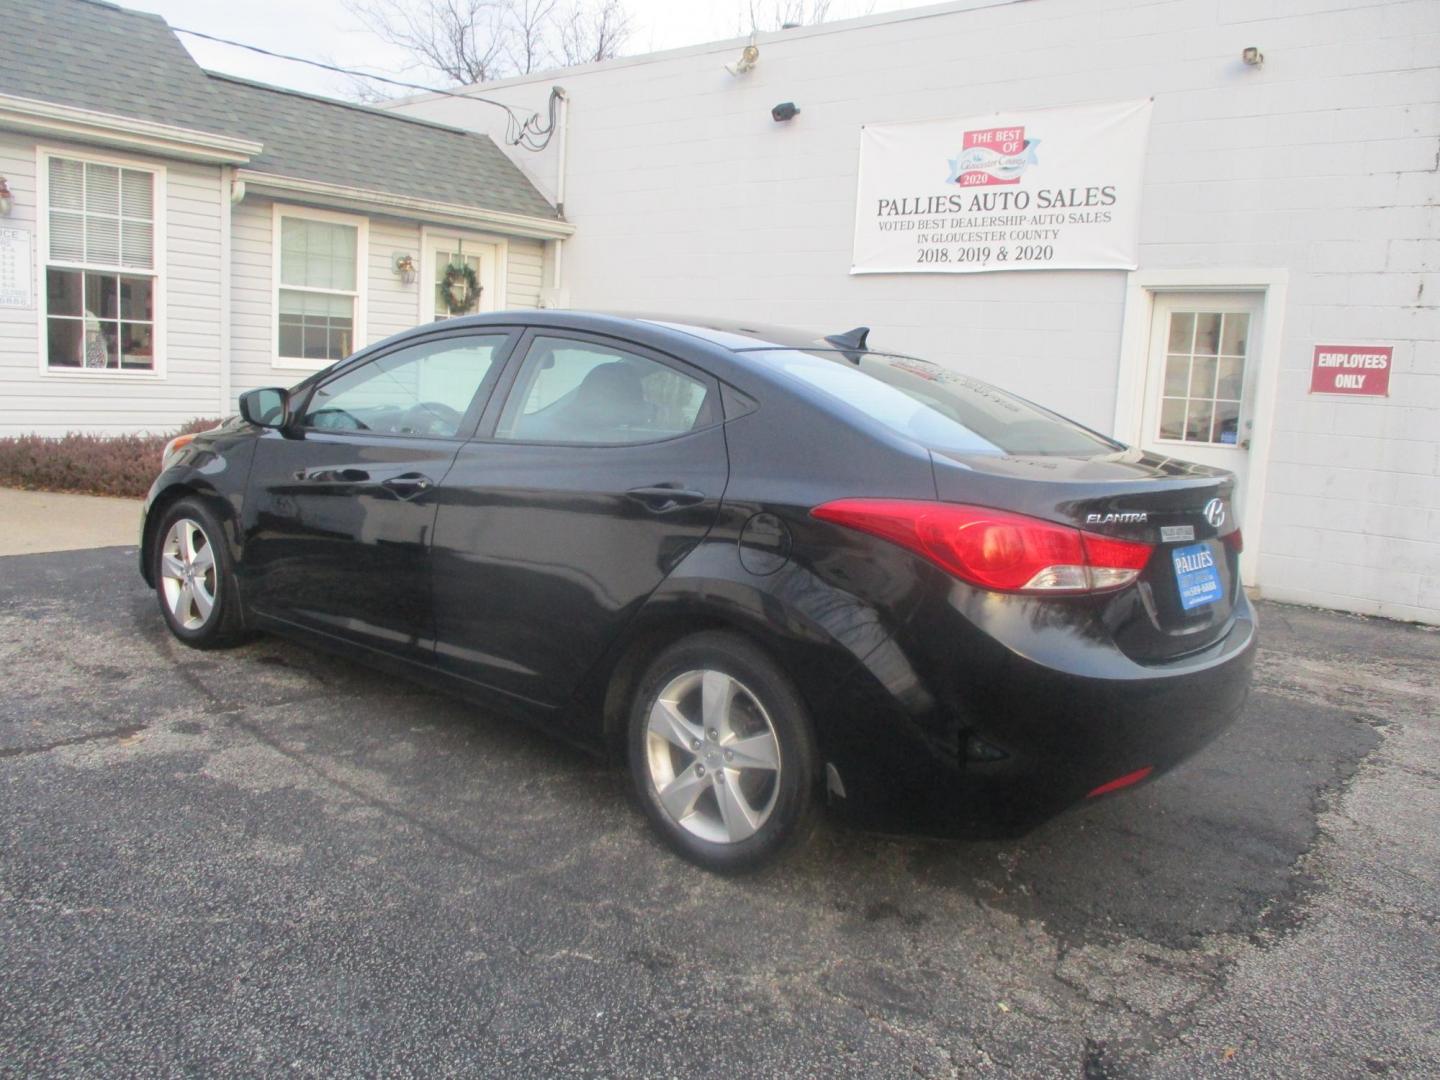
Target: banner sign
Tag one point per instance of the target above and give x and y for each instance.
(1351, 369)
(1052, 189)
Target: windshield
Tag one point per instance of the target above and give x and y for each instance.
(939, 408)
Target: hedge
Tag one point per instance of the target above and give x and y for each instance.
(122, 465)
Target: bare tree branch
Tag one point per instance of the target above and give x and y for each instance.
(476, 41)
(593, 31)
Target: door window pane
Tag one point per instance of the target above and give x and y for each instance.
(1234, 333)
(572, 391)
(424, 390)
(456, 298)
(1182, 332)
(1204, 377)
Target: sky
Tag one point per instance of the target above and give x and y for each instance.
(325, 30)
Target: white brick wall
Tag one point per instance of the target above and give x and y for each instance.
(688, 198)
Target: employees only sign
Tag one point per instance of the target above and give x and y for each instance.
(1050, 189)
(1363, 370)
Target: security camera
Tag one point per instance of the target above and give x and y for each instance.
(786, 110)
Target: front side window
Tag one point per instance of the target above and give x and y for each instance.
(425, 390)
(100, 280)
(317, 294)
(578, 392)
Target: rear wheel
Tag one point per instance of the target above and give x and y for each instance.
(193, 578)
(721, 752)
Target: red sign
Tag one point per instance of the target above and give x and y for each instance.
(1351, 369)
(993, 156)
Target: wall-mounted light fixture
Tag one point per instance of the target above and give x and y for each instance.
(749, 57)
(7, 200)
(404, 267)
(1253, 56)
(786, 110)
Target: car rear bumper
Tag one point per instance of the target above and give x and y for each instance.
(988, 740)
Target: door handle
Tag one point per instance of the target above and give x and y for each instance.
(331, 476)
(663, 498)
(407, 485)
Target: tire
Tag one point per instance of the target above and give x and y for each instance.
(194, 577)
(748, 790)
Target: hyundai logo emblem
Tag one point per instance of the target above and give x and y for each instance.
(1215, 512)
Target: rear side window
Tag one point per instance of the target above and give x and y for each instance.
(584, 392)
(939, 408)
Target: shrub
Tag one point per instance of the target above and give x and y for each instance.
(123, 465)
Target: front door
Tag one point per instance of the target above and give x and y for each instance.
(341, 504)
(603, 469)
(463, 276)
(1200, 386)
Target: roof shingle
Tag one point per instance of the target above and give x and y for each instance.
(93, 55)
(316, 138)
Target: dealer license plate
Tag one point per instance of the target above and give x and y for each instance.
(1197, 576)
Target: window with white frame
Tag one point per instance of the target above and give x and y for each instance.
(100, 266)
(318, 286)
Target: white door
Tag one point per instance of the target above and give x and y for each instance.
(1200, 387)
(461, 276)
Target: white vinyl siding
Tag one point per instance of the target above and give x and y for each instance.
(524, 273)
(100, 220)
(187, 252)
(319, 263)
(390, 305)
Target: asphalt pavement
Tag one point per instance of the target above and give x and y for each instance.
(267, 860)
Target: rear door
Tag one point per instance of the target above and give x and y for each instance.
(342, 504)
(603, 466)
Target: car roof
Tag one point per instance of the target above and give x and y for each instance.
(731, 334)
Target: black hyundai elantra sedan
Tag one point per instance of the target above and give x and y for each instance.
(762, 566)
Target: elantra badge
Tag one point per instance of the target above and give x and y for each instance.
(1129, 518)
(1215, 512)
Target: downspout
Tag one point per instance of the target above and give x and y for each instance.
(227, 195)
(564, 121)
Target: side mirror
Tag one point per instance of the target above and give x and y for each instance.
(265, 408)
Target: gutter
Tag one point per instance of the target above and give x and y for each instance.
(164, 140)
(393, 205)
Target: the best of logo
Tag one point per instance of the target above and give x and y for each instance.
(993, 156)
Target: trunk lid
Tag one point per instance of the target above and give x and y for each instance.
(1185, 596)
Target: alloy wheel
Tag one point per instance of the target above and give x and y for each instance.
(713, 756)
(188, 574)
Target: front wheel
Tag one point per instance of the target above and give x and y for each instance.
(721, 752)
(193, 578)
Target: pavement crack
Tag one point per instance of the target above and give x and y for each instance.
(110, 733)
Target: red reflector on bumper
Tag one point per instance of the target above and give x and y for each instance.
(1122, 781)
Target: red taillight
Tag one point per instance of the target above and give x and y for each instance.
(1122, 781)
(1233, 541)
(996, 549)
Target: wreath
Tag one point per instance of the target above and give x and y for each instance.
(462, 289)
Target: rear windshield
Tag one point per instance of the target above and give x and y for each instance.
(939, 408)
